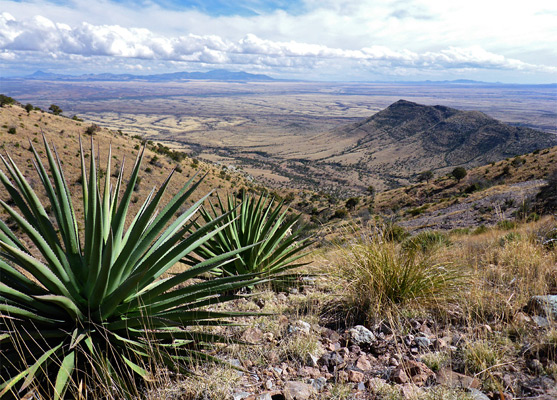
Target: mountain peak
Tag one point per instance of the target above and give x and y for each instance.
(408, 137)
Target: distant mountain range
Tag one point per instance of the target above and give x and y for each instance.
(406, 138)
(216, 75)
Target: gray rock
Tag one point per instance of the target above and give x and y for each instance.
(477, 395)
(542, 322)
(300, 327)
(360, 335)
(331, 359)
(319, 383)
(546, 305)
(422, 342)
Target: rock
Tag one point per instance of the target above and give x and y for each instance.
(355, 349)
(318, 383)
(545, 305)
(453, 379)
(363, 364)
(252, 335)
(331, 359)
(342, 376)
(418, 372)
(269, 384)
(540, 321)
(360, 335)
(475, 394)
(399, 376)
(297, 390)
(300, 327)
(355, 376)
(240, 395)
(333, 336)
(361, 386)
(274, 395)
(422, 342)
(312, 361)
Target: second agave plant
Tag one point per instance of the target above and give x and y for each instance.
(82, 306)
(258, 222)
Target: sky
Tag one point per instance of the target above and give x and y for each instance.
(325, 40)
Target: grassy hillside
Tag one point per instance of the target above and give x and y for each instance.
(19, 129)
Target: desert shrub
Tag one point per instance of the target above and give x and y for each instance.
(100, 314)
(92, 129)
(459, 173)
(480, 229)
(55, 109)
(12, 130)
(378, 274)
(426, 241)
(340, 213)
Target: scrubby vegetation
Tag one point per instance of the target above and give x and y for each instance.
(173, 301)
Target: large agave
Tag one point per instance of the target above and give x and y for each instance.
(77, 306)
(258, 222)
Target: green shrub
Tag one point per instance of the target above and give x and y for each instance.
(101, 309)
(12, 130)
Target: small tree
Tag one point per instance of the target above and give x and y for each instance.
(425, 176)
(55, 109)
(352, 202)
(459, 173)
(371, 190)
(29, 107)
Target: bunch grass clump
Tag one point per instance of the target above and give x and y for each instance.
(83, 308)
(378, 275)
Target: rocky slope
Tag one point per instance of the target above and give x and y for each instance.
(406, 138)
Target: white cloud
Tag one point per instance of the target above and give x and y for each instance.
(399, 36)
(39, 34)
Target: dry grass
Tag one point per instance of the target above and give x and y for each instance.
(507, 268)
(378, 275)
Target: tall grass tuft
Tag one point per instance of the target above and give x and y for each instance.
(379, 274)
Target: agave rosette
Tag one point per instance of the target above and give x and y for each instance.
(94, 303)
(257, 222)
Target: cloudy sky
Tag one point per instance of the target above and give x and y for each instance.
(490, 40)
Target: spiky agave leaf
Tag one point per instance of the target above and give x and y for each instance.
(257, 222)
(83, 305)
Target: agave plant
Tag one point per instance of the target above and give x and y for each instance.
(78, 305)
(257, 222)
